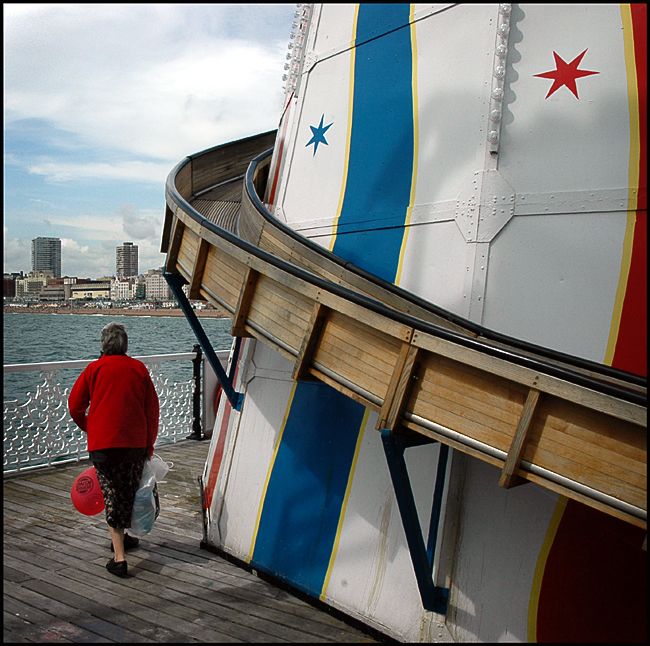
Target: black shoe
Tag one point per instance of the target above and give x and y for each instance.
(118, 568)
(130, 543)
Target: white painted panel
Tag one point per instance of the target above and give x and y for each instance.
(436, 265)
(552, 280)
(455, 53)
(316, 175)
(564, 143)
(499, 544)
(334, 27)
(241, 483)
(372, 575)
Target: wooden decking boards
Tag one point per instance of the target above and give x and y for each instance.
(57, 589)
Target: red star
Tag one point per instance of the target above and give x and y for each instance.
(565, 74)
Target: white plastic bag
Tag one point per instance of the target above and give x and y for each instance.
(160, 467)
(146, 504)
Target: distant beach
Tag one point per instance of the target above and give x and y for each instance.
(114, 311)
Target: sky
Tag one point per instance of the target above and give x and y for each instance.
(101, 101)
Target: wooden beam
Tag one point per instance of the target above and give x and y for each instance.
(310, 341)
(197, 270)
(244, 303)
(399, 388)
(169, 216)
(509, 477)
(176, 237)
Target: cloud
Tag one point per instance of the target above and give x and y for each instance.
(16, 254)
(105, 99)
(140, 227)
(133, 171)
(148, 80)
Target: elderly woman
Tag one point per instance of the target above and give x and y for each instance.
(122, 426)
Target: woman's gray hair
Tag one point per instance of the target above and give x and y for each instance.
(114, 339)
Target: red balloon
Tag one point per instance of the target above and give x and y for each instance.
(86, 493)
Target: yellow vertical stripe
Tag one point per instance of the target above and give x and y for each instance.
(633, 177)
(270, 470)
(533, 603)
(353, 46)
(344, 506)
(416, 137)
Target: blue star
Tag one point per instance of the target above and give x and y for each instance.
(318, 135)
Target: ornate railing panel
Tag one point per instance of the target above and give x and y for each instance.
(39, 431)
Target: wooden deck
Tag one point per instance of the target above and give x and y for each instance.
(57, 589)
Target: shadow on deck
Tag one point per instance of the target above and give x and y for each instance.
(56, 587)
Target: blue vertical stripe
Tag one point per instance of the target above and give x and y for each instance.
(380, 166)
(306, 489)
(304, 494)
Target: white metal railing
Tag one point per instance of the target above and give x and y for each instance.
(40, 432)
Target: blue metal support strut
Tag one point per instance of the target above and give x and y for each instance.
(433, 597)
(175, 282)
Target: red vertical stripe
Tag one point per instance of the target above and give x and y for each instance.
(217, 457)
(631, 346)
(640, 29)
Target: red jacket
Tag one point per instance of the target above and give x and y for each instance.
(123, 402)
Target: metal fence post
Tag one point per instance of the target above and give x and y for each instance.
(196, 395)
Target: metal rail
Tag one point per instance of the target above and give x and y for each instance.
(39, 432)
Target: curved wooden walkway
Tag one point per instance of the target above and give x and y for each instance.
(56, 587)
(575, 427)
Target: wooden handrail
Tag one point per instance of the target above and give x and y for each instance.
(569, 426)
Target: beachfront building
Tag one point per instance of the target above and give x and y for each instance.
(29, 287)
(52, 293)
(156, 287)
(124, 289)
(9, 284)
(126, 260)
(90, 290)
(46, 255)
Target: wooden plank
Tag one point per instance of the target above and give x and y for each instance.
(348, 362)
(198, 269)
(398, 389)
(451, 414)
(287, 299)
(282, 329)
(508, 476)
(452, 389)
(244, 303)
(310, 341)
(531, 378)
(54, 573)
(271, 307)
(167, 226)
(176, 237)
(579, 426)
(602, 481)
(362, 344)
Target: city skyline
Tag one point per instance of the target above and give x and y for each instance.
(44, 247)
(102, 102)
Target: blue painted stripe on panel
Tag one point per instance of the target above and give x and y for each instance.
(380, 166)
(306, 489)
(303, 501)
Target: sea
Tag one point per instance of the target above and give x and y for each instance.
(39, 338)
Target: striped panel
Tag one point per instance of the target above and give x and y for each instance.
(303, 504)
